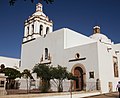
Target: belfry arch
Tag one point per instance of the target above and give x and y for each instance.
(79, 71)
(37, 25)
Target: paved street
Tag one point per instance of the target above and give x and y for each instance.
(63, 95)
(111, 95)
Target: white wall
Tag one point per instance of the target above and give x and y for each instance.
(106, 68)
(33, 51)
(88, 51)
(62, 45)
(10, 62)
(55, 42)
(72, 39)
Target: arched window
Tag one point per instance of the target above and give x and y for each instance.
(27, 31)
(33, 28)
(41, 29)
(47, 30)
(46, 53)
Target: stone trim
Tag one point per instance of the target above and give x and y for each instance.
(72, 60)
(28, 40)
(46, 62)
(31, 35)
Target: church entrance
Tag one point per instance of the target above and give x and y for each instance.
(79, 71)
(78, 83)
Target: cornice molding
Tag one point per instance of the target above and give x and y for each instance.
(28, 41)
(79, 59)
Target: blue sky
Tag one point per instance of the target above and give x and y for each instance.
(78, 15)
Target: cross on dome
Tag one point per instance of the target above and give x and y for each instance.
(39, 7)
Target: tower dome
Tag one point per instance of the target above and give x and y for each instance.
(100, 37)
(37, 25)
(39, 10)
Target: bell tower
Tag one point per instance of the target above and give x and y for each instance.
(37, 25)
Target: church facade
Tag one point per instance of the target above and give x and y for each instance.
(94, 60)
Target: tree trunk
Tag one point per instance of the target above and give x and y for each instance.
(60, 86)
(45, 86)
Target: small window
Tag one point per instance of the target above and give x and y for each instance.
(91, 74)
(41, 30)
(77, 55)
(115, 70)
(98, 84)
(1, 83)
(46, 53)
(115, 65)
(32, 28)
(27, 30)
(19, 63)
(47, 30)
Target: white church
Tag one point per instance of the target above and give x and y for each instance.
(94, 59)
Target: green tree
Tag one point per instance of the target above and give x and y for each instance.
(26, 74)
(12, 2)
(43, 72)
(12, 75)
(58, 74)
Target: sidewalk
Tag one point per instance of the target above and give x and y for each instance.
(53, 95)
(64, 95)
(109, 95)
(78, 95)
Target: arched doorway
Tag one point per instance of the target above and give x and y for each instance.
(79, 71)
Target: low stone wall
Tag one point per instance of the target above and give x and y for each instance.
(33, 95)
(17, 91)
(2, 92)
